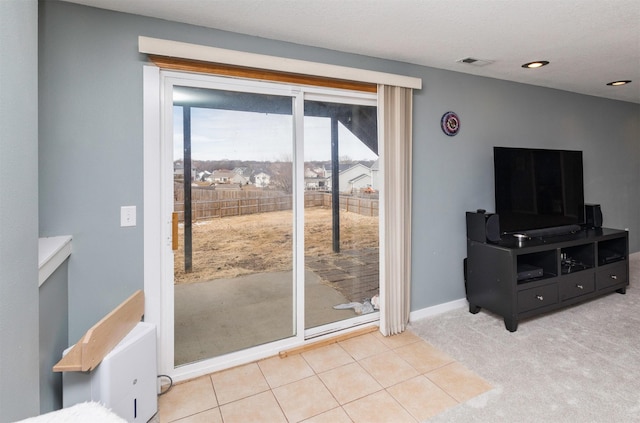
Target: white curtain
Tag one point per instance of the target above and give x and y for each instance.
(394, 140)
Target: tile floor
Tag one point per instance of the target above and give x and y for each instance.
(369, 378)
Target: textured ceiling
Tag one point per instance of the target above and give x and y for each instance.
(588, 42)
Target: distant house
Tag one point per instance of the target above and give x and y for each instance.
(316, 184)
(327, 171)
(360, 182)
(178, 171)
(262, 179)
(244, 171)
(310, 173)
(376, 183)
(356, 177)
(314, 179)
(204, 176)
(222, 176)
(239, 179)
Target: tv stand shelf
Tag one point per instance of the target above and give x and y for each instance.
(518, 279)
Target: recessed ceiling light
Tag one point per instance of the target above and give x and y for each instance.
(536, 64)
(618, 83)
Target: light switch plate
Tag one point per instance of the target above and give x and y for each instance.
(127, 216)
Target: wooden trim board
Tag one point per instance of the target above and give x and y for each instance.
(260, 74)
(98, 341)
(328, 341)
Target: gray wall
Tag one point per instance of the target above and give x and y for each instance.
(452, 175)
(18, 210)
(91, 149)
(54, 327)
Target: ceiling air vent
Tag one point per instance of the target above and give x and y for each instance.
(475, 62)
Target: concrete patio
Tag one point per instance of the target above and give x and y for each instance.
(226, 315)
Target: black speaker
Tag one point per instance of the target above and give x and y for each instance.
(483, 226)
(593, 215)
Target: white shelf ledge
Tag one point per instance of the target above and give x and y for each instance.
(52, 251)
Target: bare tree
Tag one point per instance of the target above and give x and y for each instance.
(282, 175)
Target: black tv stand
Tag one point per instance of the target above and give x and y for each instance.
(553, 231)
(574, 268)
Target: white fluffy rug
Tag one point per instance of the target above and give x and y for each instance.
(84, 412)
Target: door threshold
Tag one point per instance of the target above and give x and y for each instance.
(328, 341)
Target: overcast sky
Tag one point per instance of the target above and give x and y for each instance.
(233, 135)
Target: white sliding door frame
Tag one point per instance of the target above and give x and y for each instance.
(158, 195)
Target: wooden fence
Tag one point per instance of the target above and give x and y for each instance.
(209, 204)
(221, 193)
(360, 205)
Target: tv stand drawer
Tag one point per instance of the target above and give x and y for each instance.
(530, 299)
(577, 284)
(611, 275)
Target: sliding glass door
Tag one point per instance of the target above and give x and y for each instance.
(341, 211)
(233, 266)
(272, 194)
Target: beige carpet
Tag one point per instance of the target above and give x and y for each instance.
(580, 364)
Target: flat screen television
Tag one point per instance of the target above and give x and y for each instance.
(537, 189)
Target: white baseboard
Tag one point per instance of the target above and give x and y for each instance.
(437, 309)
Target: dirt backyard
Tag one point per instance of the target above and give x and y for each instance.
(241, 245)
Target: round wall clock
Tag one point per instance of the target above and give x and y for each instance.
(450, 123)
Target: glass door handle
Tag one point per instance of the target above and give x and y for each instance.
(174, 231)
